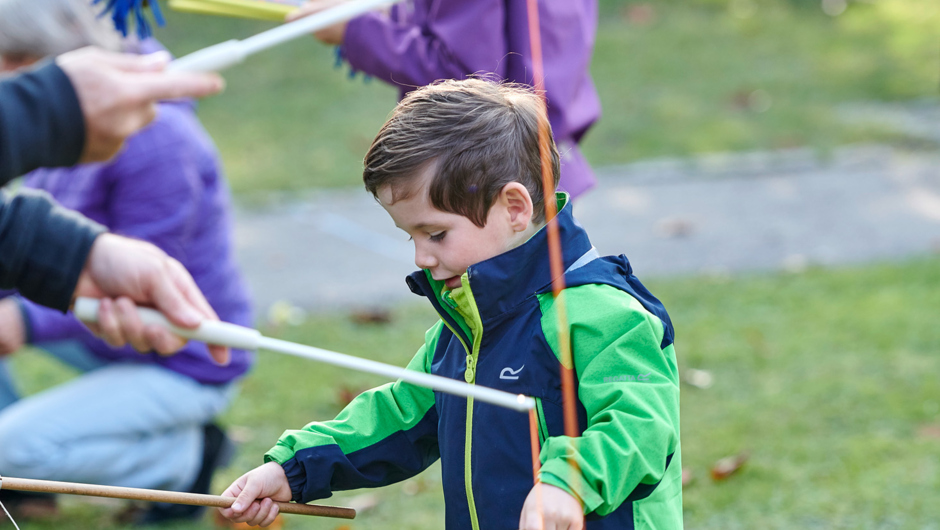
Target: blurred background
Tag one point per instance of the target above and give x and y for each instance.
(771, 168)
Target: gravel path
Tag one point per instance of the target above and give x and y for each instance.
(714, 214)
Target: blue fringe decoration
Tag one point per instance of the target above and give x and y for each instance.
(122, 10)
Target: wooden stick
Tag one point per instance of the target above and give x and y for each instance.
(171, 497)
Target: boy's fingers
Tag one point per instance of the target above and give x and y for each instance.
(264, 509)
(249, 493)
(249, 514)
(272, 515)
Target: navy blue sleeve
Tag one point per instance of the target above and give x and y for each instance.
(43, 248)
(41, 123)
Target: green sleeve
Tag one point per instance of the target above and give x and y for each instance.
(629, 387)
(396, 422)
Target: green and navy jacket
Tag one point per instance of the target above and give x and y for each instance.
(500, 329)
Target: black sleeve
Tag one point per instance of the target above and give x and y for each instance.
(41, 123)
(43, 248)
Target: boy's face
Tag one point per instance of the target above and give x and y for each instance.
(447, 243)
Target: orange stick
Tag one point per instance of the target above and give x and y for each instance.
(172, 497)
(536, 463)
(554, 238)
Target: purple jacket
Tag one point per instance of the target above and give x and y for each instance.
(421, 41)
(165, 187)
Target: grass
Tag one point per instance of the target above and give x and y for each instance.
(827, 377)
(675, 78)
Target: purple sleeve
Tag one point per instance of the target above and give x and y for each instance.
(403, 50)
(43, 324)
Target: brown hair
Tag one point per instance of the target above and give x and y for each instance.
(475, 135)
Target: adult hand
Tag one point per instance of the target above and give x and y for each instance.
(268, 483)
(551, 508)
(332, 35)
(135, 272)
(12, 332)
(118, 93)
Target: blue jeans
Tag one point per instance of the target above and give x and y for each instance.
(118, 424)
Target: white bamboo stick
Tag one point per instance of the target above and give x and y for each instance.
(233, 336)
(229, 53)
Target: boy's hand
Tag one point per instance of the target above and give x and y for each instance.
(332, 35)
(559, 510)
(268, 483)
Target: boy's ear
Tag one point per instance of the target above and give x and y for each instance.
(518, 203)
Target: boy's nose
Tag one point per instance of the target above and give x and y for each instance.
(424, 260)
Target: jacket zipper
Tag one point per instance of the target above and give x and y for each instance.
(470, 378)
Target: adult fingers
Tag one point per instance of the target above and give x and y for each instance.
(162, 340)
(173, 85)
(185, 283)
(108, 324)
(306, 9)
(128, 62)
(131, 326)
(171, 295)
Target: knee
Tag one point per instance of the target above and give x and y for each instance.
(24, 451)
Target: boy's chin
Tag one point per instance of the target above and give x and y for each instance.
(453, 282)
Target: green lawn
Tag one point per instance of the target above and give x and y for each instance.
(828, 378)
(674, 77)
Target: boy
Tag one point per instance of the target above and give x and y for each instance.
(457, 167)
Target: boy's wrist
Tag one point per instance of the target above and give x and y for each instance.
(588, 498)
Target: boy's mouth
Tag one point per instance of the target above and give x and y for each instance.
(453, 282)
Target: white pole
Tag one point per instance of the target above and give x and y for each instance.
(307, 25)
(225, 334)
(229, 53)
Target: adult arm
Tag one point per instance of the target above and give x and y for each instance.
(154, 191)
(52, 255)
(398, 49)
(628, 384)
(81, 107)
(41, 122)
(43, 248)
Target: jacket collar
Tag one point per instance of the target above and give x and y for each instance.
(501, 283)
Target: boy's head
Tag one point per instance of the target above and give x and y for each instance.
(458, 167)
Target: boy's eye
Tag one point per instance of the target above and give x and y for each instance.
(437, 237)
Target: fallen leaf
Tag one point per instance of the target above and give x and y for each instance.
(729, 465)
(364, 502)
(929, 431)
(345, 394)
(674, 227)
(699, 378)
(640, 15)
(372, 316)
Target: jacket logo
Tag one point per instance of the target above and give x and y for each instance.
(509, 373)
